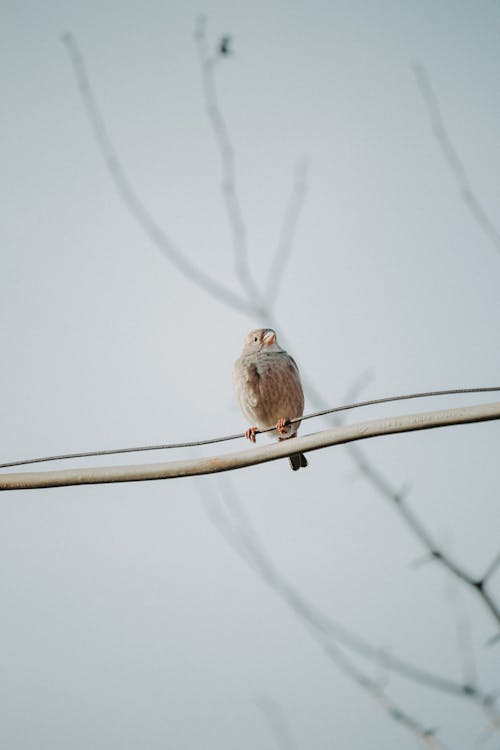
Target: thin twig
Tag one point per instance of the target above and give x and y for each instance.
(357, 386)
(465, 650)
(227, 160)
(130, 197)
(277, 722)
(492, 568)
(444, 558)
(452, 158)
(288, 227)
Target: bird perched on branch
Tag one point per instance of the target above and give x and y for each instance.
(268, 389)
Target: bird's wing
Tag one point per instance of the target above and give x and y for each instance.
(280, 389)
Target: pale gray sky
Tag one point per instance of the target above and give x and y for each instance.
(127, 621)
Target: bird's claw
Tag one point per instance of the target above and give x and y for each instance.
(251, 433)
(282, 425)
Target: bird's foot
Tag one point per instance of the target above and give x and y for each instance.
(282, 425)
(251, 433)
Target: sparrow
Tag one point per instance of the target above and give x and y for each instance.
(268, 389)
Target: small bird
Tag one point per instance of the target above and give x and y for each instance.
(268, 389)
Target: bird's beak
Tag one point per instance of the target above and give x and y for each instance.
(269, 338)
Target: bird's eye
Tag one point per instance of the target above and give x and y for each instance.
(255, 338)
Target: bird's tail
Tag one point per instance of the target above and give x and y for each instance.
(298, 461)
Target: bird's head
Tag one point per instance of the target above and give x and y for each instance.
(261, 339)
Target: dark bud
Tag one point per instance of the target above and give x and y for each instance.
(225, 45)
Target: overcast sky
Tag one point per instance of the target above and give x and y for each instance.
(127, 620)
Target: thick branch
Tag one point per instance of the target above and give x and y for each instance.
(254, 456)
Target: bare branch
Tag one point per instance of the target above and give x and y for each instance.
(131, 199)
(277, 723)
(426, 735)
(288, 227)
(493, 640)
(440, 555)
(485, 735)
(227, 159)
(452, 158)
(422, 560)
(492, 568)
(465, 650)
(257, 455)
(238, 531)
